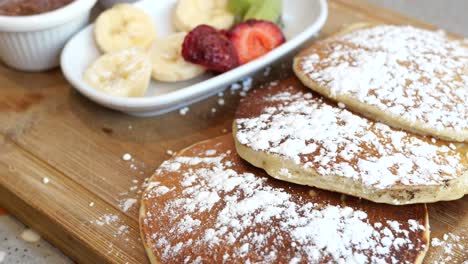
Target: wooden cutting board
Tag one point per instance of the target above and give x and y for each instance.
(47, 130)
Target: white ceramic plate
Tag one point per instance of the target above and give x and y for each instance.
(302, 20)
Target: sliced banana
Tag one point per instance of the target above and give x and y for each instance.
(124, 73)
(124, 26)
(168, 63)
(192, 13)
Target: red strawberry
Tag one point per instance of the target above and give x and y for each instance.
(255, 38)
(211, 48)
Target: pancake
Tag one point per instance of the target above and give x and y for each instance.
(297, 136)
(406, 77)
(207, 205)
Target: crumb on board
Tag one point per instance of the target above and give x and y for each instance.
(30, 236)
(184, 110)
(127, 157)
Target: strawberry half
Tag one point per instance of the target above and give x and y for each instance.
(255, 38)
(211, 48)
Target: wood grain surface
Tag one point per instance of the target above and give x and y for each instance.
(47, 130)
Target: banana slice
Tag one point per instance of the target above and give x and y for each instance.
(168, 63)
(125, 73)
(191, 13)
(124, 26)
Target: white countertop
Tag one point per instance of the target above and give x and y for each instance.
(451, 15)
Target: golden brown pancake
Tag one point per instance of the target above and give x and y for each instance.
(297, 136)
(207, 205)
(406, 77)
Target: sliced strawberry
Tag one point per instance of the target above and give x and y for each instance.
(255, 38)
(211, 48)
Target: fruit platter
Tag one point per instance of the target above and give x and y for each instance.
(188, 62)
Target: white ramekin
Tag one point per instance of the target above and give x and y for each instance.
(34, 43)
(110, 3)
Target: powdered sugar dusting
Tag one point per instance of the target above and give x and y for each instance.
(256, 221)
(126, 204)
(411, 73)
(449, 243)
(333, 141)
(106, 219)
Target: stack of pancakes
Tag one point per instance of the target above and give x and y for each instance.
(385, 119)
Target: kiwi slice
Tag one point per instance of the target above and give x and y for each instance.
(269, 10)
(239, 7)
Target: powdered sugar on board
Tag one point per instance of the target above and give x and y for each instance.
(126, 204)
(116, 223)
(449, 243)
(317, 135)
(410, 73)
(106, 219)
(214, 211)
(239, 88)
(129, 199)
(120, 230)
